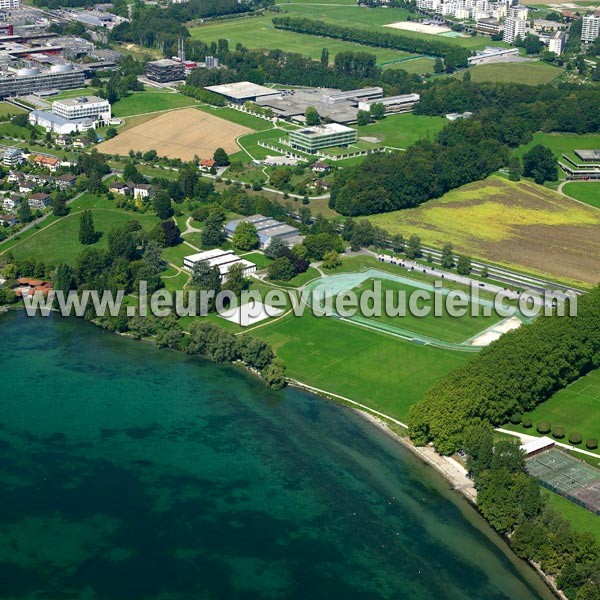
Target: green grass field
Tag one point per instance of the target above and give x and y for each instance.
(258, 258)
(59, 241)
(235, 116)
(259, 33)
(383, 372)
(400, 131)
(150, 101)
(584, 191)
(413, 65)
(445, 327)
(562, 143)
(580, 518)
(532, 73)
(576, 408)
(7, 109)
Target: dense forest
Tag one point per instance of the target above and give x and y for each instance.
(512, 375)
(454, 55)
(506, 116)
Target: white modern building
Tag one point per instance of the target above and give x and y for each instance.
(557, 42)
(590, 28)
(493, 55)
(392, 104)
(12, 157)
(8, 4)
(513, 28)
(222, 259)
(83, 107)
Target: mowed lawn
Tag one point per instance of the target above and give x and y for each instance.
(259, 33)
(576, 408)
(59, 241)
(562, 143)
(138, 103)
(580, 518)
(381, 371)
(400, 131)
(444, 327)
(516, 224)
(531, 73)
(7, 109)
(588, 192)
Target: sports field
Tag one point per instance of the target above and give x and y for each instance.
(178, 134)
(138, 103)
(576, 408)
(584, 191)
(400, 131)
(520, 225)
(59, 241)
(567, 476)
(391, 292)
(381, 371)
(259, 33)
(531, 73)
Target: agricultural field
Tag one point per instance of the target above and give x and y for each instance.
(259, 33)
(584, 191)
(532, 73)
(575, 408)
(400, 131)
(59, 240)
(519, 225)
(178, 134)
(138, 103)
(383, 372)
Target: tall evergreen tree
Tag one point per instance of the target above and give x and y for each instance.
(87, 232)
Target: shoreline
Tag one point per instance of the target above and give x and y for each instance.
(452, 471)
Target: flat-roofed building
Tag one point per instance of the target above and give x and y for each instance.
(12, 157)
(557, 42)
(26, 80)
(313, 139)
(588, 155)
(242, 91)
(165, 70)
(268, 229)
(222, 259)
(83, 107)
(392, 104)
(488, 26)
(493, 55)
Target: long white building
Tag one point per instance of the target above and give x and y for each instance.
(83, 107)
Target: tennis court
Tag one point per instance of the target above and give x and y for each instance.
(567, 476)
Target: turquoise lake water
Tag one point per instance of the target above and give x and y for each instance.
(132, 473)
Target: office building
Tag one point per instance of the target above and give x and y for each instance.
(83, 107)
(312, 139)
(222, 259)
(392, 104)
(26, 80)
(165, 70)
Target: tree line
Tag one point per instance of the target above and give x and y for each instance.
(512, 375)
(512, 503)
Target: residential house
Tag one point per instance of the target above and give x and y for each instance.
(65, 181)
(81, 142)
(15, 176)
(118, 187)
(12, 202)
(320, 167)
(63, 140)
(206, 164)
(26, 187)
(39, 201)
(8, 220)
(51, 162)
(141, 191)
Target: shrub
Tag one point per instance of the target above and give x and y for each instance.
(558, 432)
(527, 423)
(543, 427)
(591, 444)
(575, 438)
(516, 418)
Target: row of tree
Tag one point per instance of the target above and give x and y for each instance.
(512, 375)
(454, 55)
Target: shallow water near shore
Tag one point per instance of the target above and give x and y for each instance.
(129, 472)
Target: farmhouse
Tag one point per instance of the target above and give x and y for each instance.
(268, 229)
(118, 187)
(312, 139)
(206, 164)
(222, 259)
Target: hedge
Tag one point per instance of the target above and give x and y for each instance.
(543, 427)
(575, 438)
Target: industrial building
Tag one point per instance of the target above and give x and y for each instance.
(25, 80)
(312, 139)
(242, 91)
(590, 28)
(222, 259)
(493, 55)
(268, 229)
(165, 70)
(392, 104)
